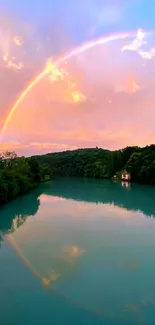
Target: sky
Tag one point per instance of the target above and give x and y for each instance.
(102, 96)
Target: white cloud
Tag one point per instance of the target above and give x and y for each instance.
(137, 44)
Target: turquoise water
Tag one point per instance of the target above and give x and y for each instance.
(78, 252)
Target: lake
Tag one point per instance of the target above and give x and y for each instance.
(78, 252)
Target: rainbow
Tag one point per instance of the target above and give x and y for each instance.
(80, 49)
(44, 281)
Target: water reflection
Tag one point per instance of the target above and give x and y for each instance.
(86, 239)
(140, 198)
(126, 185)
(13, 215)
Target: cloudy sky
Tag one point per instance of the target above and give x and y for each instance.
(102, 96)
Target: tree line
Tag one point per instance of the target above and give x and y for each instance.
(18, 175)
(100, 163)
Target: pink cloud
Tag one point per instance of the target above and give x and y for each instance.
(34, 147)
(47, 121)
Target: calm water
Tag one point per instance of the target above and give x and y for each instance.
(78, 252)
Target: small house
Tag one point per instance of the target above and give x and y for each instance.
(126, 176)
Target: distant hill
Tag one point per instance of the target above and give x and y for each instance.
(101, 163)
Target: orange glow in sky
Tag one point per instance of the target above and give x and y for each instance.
(85, 98)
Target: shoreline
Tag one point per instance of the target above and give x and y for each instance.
(18, 175)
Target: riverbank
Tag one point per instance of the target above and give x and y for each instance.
(19, 175)
(104, 164)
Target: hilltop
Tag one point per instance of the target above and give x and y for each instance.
(101, 163)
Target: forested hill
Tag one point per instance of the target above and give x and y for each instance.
(18, 175)
(100, 163)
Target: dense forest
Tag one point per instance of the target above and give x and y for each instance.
(18, 175)
(100, 163)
